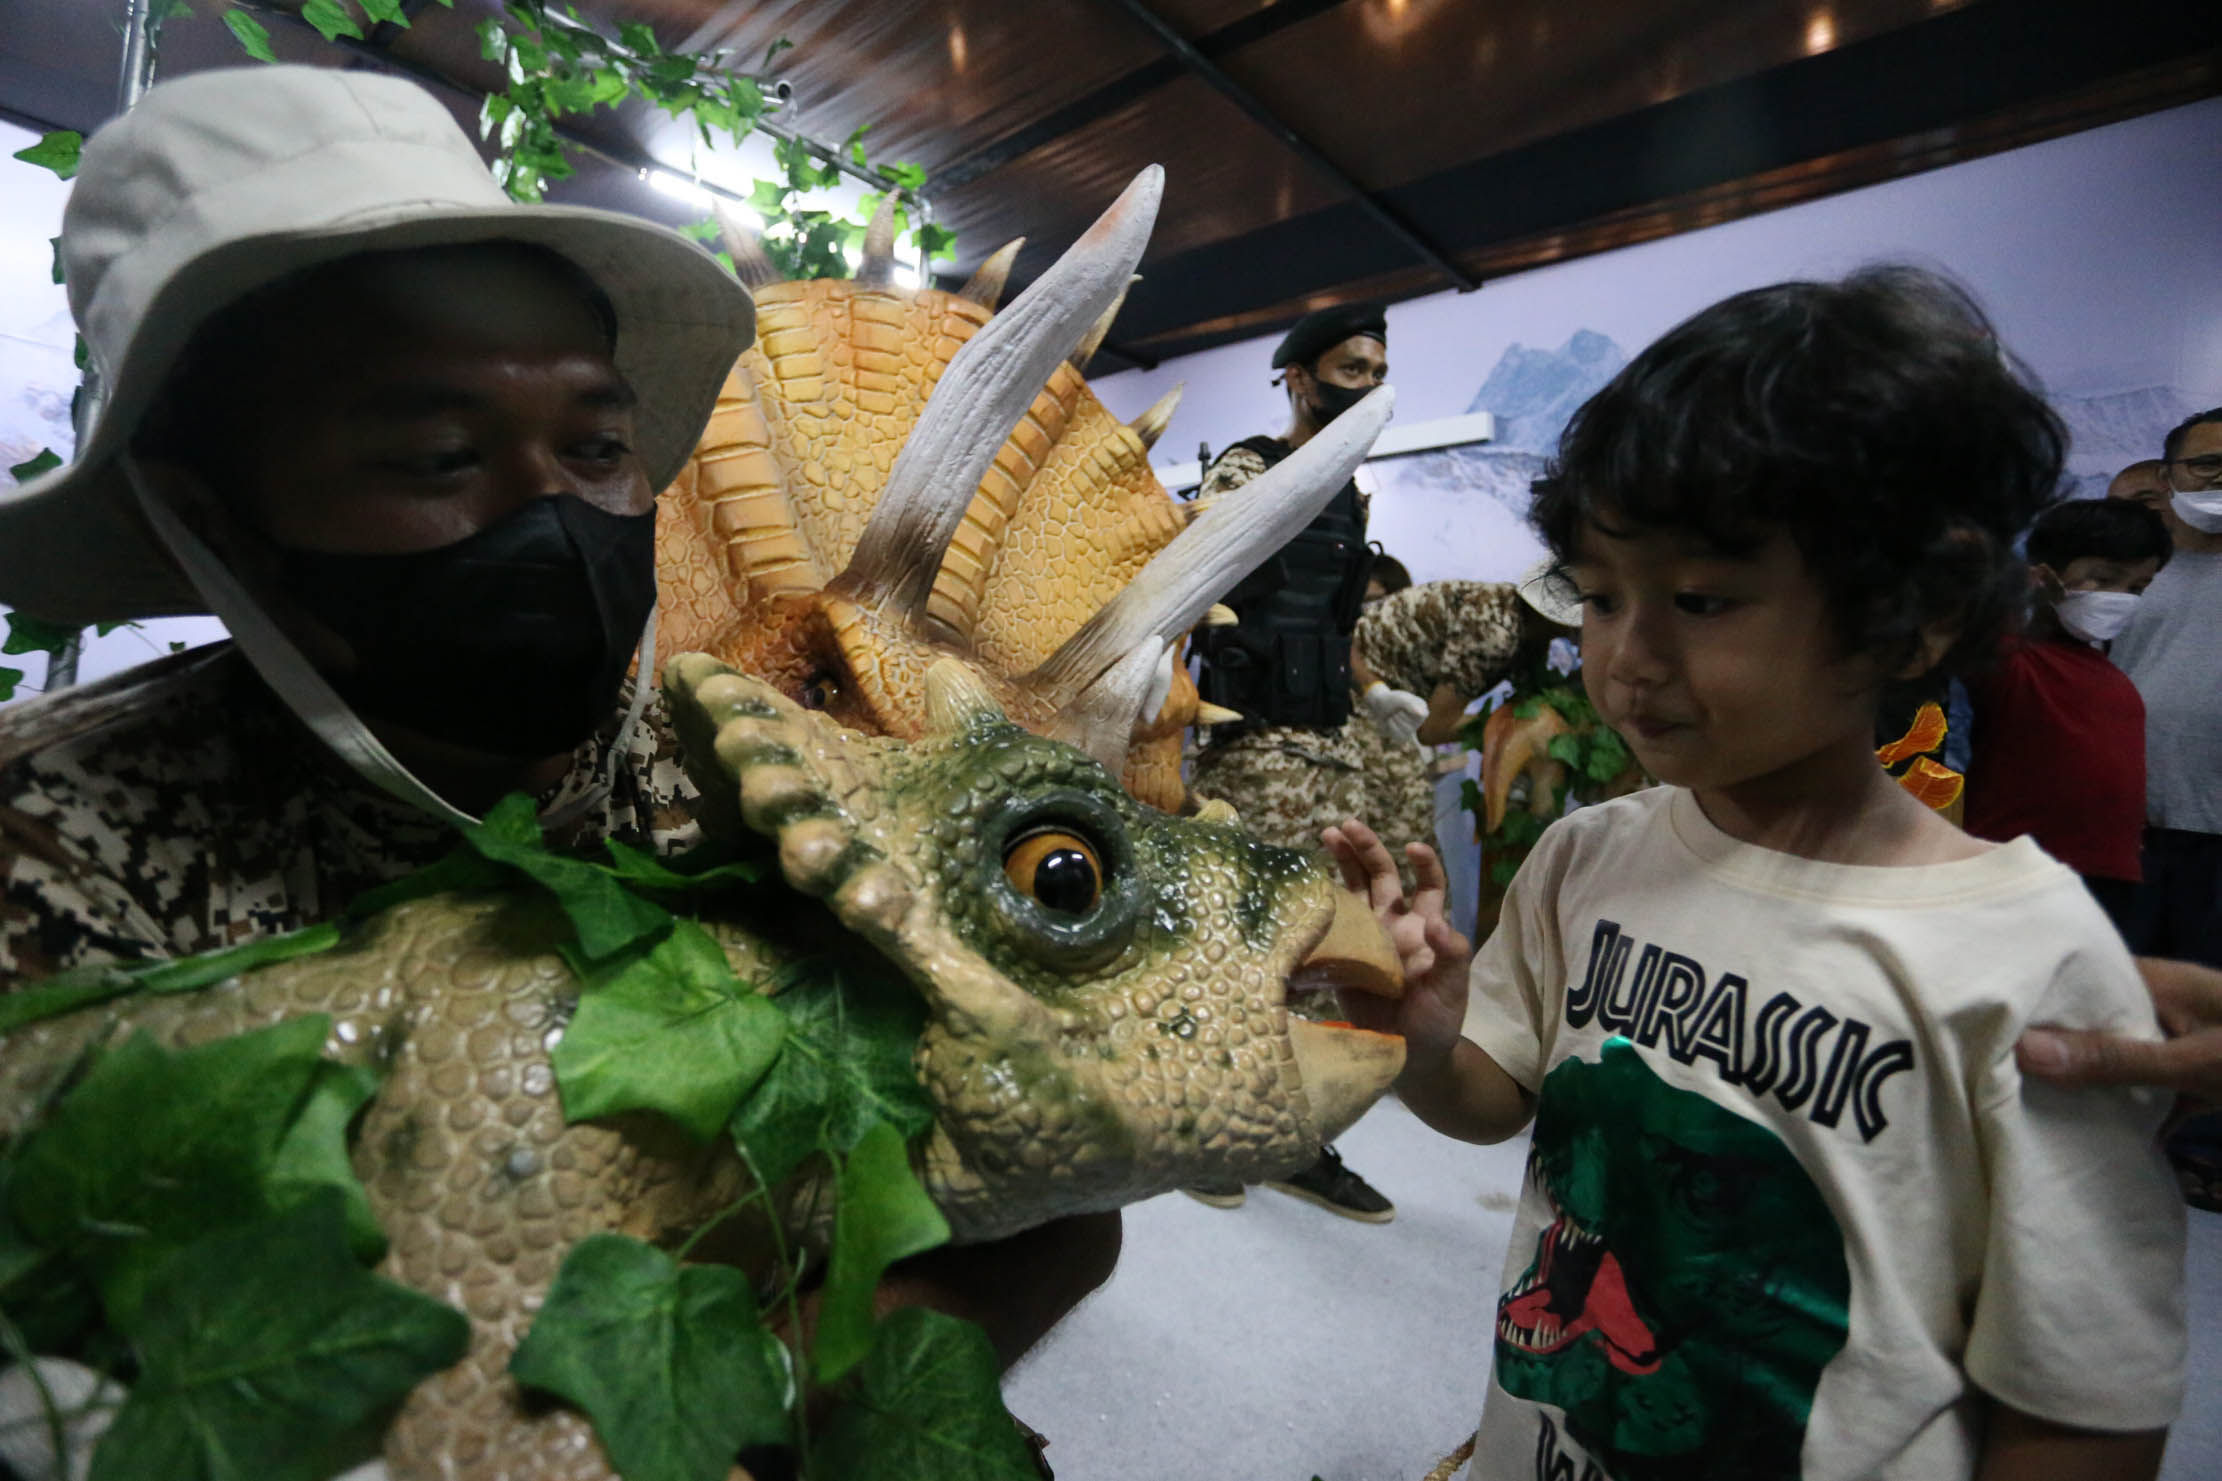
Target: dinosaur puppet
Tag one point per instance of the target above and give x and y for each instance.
(1103, 984)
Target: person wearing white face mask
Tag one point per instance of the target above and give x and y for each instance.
(2059, 732)
(2171, 648)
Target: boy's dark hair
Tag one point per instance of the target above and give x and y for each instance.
(2173, 443)
(2109, 529)
(1877, 421)
(1389, 571)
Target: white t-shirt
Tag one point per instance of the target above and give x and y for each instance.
(1790, 1203)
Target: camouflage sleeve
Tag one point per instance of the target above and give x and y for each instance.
(1229, 471)
(1461, 633)
(59, 908)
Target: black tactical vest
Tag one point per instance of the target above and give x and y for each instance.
(1287, 661)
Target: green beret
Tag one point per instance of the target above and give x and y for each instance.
(1316, 334)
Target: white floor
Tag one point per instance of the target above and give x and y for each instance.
(1276, 1342)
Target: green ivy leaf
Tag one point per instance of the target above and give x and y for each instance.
(779, 44)
(42, 461)
(250, 34)
(927, 1406)
(56, 244)
(670, 1030)
(709, 867)
(905, 175)
(156, 1147)
(855, 149)
(700, 231)
(331, 20)
(671, 1362)
(277, 1378)
(83, 986)
(313, 1153)
(608, 917)
(936, 243)
(9, 678)
(386, 12)
(493, 41)
(638, 36)
(769, 198)
(56, 151)
(846, 1066)
(883, 1215)
(28, 634)
(1565, 748)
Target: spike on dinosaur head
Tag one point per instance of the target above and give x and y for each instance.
(985, 390)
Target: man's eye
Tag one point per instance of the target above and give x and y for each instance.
(1701, 604)
(605, 450)
(435, 464)
(1603, 603)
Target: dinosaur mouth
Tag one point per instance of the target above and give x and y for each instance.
(1352, 954)
(1576, 1289)
(1345, 1069)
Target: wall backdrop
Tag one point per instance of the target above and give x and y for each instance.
(2099, 256)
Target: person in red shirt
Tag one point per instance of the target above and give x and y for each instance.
(2059, 732)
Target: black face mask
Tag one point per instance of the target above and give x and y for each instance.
(1330, 400)
(513, 641)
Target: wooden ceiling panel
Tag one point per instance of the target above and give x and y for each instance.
(1506, 74)
(1225, 176)
(931, 77)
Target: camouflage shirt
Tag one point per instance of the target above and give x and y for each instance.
(180, 807)
(1461, 633)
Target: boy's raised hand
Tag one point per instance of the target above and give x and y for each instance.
(1435, 957)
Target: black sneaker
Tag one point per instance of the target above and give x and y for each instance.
(1336, 1189)
(1218, 1195)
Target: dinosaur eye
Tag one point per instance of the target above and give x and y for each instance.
(818, 692)
(1057, 870)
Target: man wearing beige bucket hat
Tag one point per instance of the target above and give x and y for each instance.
(404, 436)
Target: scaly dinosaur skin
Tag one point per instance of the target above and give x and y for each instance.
(1077, 1061)
(791, 468)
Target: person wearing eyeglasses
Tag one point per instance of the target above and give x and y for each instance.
(2172, 651)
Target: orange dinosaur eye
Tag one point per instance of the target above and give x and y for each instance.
(1056, 869)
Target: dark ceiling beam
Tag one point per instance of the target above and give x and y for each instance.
(1370, 205)
(1121, 91)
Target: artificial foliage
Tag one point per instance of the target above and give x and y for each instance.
(1593, 760)
(131, 1204)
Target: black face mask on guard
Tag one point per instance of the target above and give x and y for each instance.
(1330, 400)
(513, 641)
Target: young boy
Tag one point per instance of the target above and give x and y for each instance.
(1791, 1210)
(2059, 731)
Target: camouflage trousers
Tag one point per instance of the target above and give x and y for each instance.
(1289, 783)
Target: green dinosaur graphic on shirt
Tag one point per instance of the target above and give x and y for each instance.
(1682, 1304)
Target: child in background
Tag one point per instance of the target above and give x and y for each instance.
(1791, 1209)
(2059, 731)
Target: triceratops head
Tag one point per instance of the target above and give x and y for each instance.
(1106, 983)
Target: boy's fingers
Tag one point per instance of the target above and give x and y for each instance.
(2078, 1057)
(1427, 875)
(1345, 855)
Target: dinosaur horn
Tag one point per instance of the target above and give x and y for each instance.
(1151, 424)
(1101, 718)
(1099, 331)
(876, 269)
(955, 698)
(985, 286)
(989, 384)
(1225, 543)
(746, 248)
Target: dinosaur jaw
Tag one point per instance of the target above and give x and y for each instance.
(1345, 1069)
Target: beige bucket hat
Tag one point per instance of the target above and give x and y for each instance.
(1546, 588)
(222, 182)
